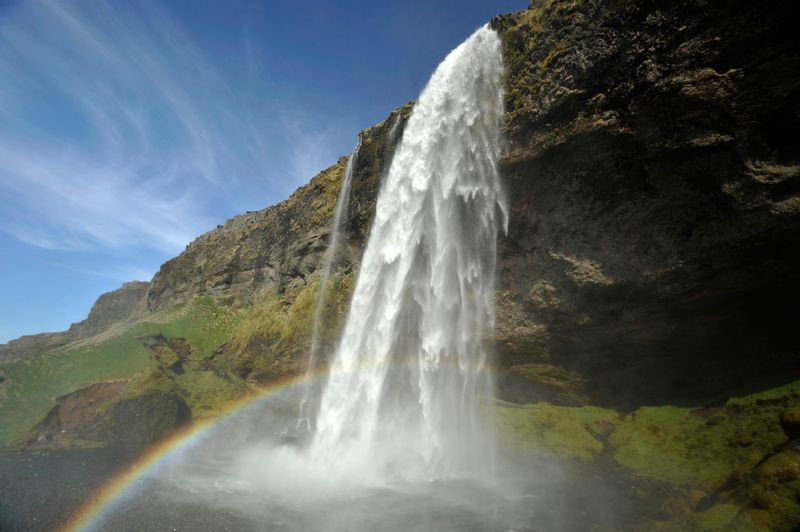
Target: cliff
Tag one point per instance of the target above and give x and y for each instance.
(648, 283)
(110, 308)
(654, 174)
(652, 254)
(280, 247)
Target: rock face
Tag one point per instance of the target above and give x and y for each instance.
(281, 247)
(654, 173)
(109, 309)
(102, 413)
(113, 307)
(74, 411)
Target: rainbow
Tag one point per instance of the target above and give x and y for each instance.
(105, 500)
(102, 503)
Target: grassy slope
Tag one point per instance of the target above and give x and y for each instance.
(32, 384)
(274, 337)
(264, 341)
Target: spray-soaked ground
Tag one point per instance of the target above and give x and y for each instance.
(244, 475)
(436, 506)
(247, 473)
(40, 489)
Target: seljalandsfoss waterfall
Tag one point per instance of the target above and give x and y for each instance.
(395, 425)
(401, 435)
(410, 372)
(555, 291)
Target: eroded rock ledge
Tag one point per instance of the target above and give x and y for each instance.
(654, 172)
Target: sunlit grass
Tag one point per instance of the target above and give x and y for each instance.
(32, 384)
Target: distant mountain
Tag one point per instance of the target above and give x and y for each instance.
(110, 308)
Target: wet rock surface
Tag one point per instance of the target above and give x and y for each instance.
(653, 246)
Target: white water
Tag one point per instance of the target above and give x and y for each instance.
(392, 137)
(410, 372)
(307, 409)
(403, 405)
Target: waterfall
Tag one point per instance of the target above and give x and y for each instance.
(410, 373)
(307, 408)
(392, 136)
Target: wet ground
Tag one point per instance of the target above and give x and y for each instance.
(39, 489)
(209, 488)
(438, 506)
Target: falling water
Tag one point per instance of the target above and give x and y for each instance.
(410, 372)
(306, 404)
(409, 380)
(392, 136)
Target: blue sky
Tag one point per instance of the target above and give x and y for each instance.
(129, 128)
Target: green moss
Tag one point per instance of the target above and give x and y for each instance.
(209, 392)
(703, 446)
(566, 382)
(555, 431)
(273, 338)
(722, 517)
(667, 443)
(718, 461)
(694, 446)
(787, 395)
(773, 489)
(204, 324)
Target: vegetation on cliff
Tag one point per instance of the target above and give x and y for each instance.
(650, 270)
(168, 361)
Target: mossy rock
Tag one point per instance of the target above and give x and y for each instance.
(773, 488)
(556, 384)
(171, 354)
(143, 419)
(544, 430)
(719, 468)
(273, 338)
(790, 421)
(694, 447)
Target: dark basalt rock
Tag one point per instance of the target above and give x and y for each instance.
(790, 422)
(144, 419)
(654, 173)
(103, 413)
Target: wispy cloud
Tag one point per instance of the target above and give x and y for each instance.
(117, 274)
(310, 150)
(115, 129)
